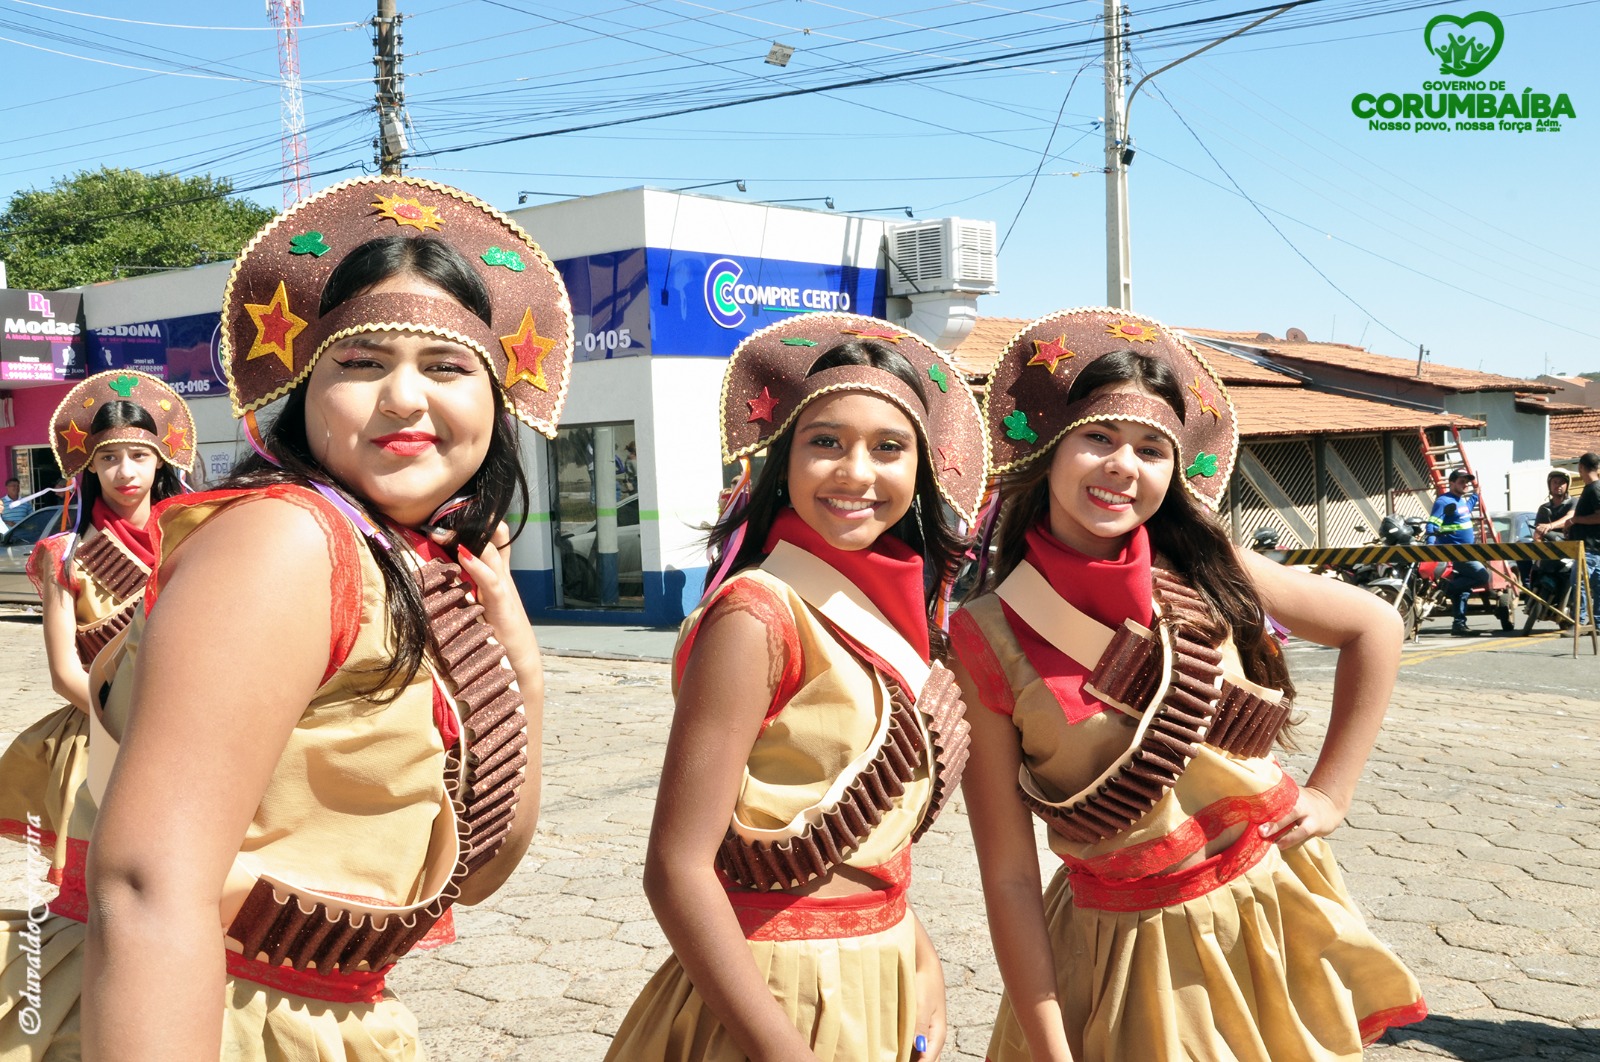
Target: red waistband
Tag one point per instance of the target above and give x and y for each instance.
(357, 986)
(785, 916)
(1131, 879)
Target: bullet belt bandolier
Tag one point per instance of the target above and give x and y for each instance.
(123, 576)
(926, 725)
(1168, 680)
(279, 926)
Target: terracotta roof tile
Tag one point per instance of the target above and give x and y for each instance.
(1543, 404)
(1263, 412)
(1295, 353)
(989, 336)
(1574, 434)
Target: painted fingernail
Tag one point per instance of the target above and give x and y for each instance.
(465, 552)
(920, 1044)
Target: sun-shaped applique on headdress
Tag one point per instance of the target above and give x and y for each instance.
(1132, 331)
(404, 211)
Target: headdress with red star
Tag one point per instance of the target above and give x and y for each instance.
(1027, 412)
(769, 381)
(74, 441)
(273, 330)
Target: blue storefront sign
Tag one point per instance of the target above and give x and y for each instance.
(707, 302)
(625, 304)
(610, 304)
(180, 350)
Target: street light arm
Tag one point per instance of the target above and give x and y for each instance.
(1206, 48)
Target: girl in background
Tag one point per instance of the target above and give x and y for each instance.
(1131, 697)
(126, 437)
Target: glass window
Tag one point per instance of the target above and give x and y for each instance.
(594, 480)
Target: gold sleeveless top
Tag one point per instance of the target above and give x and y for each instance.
(838, 708)
(356, 807)
(1063, 759)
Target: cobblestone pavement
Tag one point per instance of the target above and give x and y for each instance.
(1472, 847)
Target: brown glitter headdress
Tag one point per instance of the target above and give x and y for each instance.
(1027, 411)
(766, 386)
(273, 334)
(73, 442)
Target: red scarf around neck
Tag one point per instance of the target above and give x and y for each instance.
(1108, 590)
(136, 539)
(889, 572)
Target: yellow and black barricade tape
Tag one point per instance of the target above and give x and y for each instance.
(1348, 556)
(1345, 556)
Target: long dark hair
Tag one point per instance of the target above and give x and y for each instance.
(929, 526)
(124, 414)
(1182, 531)
(498, 484)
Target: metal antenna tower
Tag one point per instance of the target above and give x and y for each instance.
(288, 16)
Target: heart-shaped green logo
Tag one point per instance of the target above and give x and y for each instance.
(1462, 54)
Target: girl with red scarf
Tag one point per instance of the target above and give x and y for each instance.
(1133, 695)
(813, 739)
(127, 435)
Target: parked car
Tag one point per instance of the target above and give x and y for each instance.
(580, 560)
(16, 546)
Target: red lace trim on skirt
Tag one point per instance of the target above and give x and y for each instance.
(1131, 879)
(73, 899)
(1375, 1025)
(783, 916)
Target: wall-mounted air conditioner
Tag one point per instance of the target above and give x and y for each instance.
(943, 254)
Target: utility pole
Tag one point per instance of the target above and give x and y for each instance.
(1119, 266)
(1119, 146)
(391, 98)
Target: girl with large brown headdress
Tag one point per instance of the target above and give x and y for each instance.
(325, 722)
(1131, 696)
(813, 738)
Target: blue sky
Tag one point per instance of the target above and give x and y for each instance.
(1481, 246)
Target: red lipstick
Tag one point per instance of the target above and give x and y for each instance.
(406, 443)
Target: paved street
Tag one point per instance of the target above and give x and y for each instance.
(1473, 848)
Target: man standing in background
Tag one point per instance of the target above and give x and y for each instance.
(1583, 522)
(1450, 524)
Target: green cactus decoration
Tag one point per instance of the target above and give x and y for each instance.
(1016, 423)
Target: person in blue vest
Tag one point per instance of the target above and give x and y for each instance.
(1450, 524)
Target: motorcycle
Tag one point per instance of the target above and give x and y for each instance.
(1415, 590)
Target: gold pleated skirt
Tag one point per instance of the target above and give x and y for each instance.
(262, 1024)
(40, 774)
(1276, 965)
(854, 998)
(41, 981)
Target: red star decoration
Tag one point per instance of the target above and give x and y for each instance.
(949, 461)
(525, 351)
(276, 328)
(74, 436)
(1050, 352)
(1204, 399)
(176, 439)
(874, 333)
(761, 406)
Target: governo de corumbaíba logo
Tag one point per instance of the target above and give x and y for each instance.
(1464, 46)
